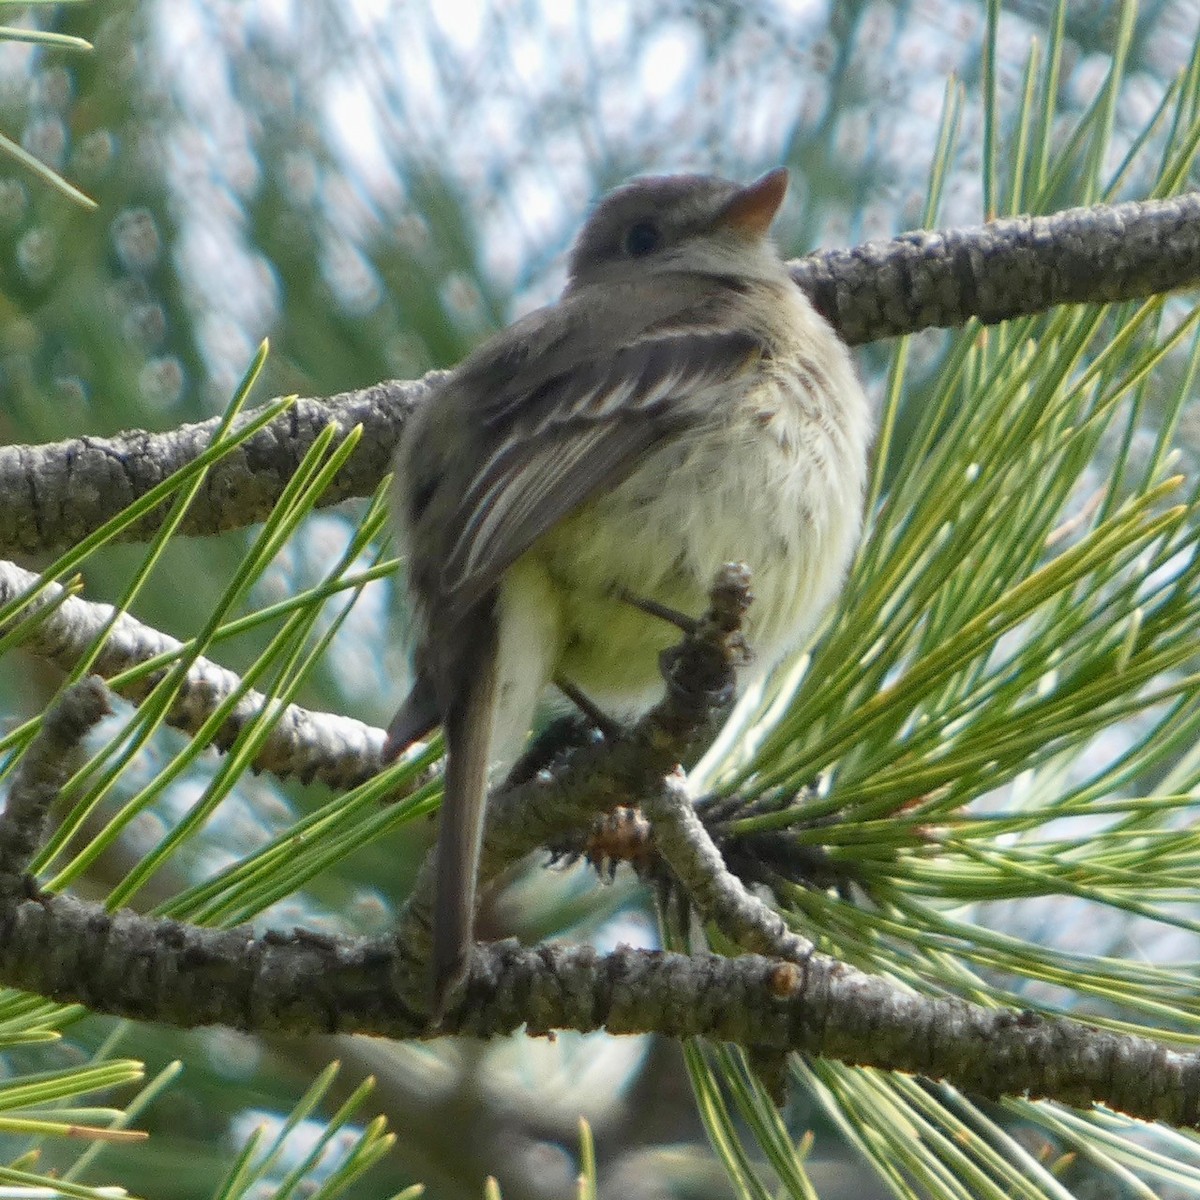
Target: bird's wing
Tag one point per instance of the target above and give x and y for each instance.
(564, 436)
(419, 714)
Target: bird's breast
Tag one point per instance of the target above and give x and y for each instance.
(774, 480)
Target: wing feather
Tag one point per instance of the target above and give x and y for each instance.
(576, 432)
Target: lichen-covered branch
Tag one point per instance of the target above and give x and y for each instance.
(49, 761)
(1007, 268)
(302, 744)
(157, 970)
(300, 983)
(718, 894)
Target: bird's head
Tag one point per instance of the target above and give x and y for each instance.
(693, 223)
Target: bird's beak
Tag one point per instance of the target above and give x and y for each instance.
(752, 209)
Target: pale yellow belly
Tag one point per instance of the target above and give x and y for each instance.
(742, 496)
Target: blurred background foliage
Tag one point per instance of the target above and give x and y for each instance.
(375, 186)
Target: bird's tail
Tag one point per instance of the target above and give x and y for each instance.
(468, 726)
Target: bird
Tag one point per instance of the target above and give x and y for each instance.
(682, 405)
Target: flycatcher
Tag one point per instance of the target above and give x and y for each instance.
(681, 406)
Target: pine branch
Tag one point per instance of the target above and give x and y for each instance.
(1008, 268)
(54, 495)
(156, 970)
(161, 970)
(302, 744)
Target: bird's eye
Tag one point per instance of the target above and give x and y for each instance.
(643, 238)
